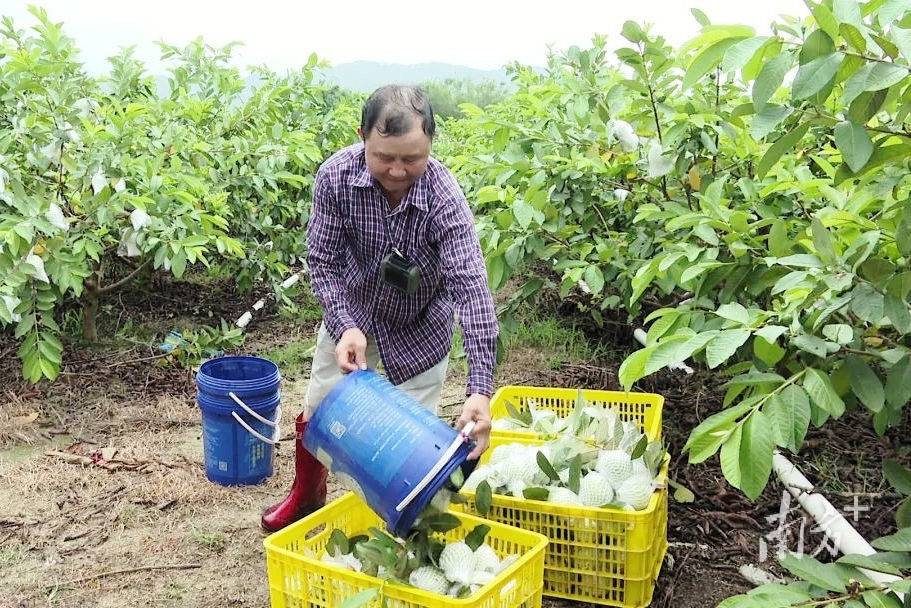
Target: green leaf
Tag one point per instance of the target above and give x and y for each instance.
(179, 263)
(898, 383)
(810, 570)
(813, 76)
(826, 20)
(766, 120)
(700, 17)
(770, 78)
(872, 77)
(822, 393)
(575, 473)
(811, 344)
(865, 383)
(867, 304)
(639, 449)
(633, 367)
(682, 494)
(724, 345)
(818, 44)
(483, 498)
(822, 241)
(900, 541)
(854, 143)
(523, 212)
(632, 32)
(902, 39)
(536, 493)
(898, 476)
(734, 312)
(903, 514)
(441, 522)
(892, 10)
(523, 416)
(475, 538)
(789, 412)
(767, 352)
(546, 467)
(746, 458)
(839, 333)
(878, 599)
(708, 436)
(359, 600)
(338, 543)
(898, 314)
(705, 61)
(869, 562)
(847, 11)
(779, 243)
(594, 278)
(781, 145)
(737, 55)
(865, 106)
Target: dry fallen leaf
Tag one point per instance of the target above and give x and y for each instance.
(24, 420)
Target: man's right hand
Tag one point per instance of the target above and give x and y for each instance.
(351, 350)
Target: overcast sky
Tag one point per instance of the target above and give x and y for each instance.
(476, 33)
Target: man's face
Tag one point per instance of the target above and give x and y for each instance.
(397, 161)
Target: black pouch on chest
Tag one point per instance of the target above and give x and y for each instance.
(399, 272)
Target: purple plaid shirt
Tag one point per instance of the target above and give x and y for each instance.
(347, 240)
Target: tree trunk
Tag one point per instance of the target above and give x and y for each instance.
(90, 309)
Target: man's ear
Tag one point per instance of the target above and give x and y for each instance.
(360, 133)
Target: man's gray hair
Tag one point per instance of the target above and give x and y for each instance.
(392, 108)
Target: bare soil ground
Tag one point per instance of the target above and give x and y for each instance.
(104, 501)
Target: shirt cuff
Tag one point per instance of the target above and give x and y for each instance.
(339, 325)
(479, 384)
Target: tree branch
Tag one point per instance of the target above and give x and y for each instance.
(124, 280)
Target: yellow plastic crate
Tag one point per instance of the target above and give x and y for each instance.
(603, 556)
(297, 577)
(643, 408)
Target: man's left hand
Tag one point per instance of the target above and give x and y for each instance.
(477, 408)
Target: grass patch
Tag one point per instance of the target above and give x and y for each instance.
(11, 554)
(305, 308)
(293, 358)
(212, 541)
(563, 343)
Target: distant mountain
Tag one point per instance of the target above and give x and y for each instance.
(365, 76)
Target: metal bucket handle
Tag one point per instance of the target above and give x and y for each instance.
(276, 434)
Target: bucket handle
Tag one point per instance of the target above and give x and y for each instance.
(276, 435)
(461, 438)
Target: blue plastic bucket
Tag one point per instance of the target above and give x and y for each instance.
(238, 431)
(382, 443)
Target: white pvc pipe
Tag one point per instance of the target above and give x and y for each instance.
(642, 337)
(830, 520)
(244, 319)
(294, 278)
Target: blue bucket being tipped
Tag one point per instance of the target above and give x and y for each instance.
(239, 398)
(385, 446)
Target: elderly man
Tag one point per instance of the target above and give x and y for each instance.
(393, 256)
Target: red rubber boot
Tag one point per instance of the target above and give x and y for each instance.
(308, 493)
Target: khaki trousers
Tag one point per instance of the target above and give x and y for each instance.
(324, 373)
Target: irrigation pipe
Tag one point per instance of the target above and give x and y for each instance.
(244, 319)
(830, 520)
